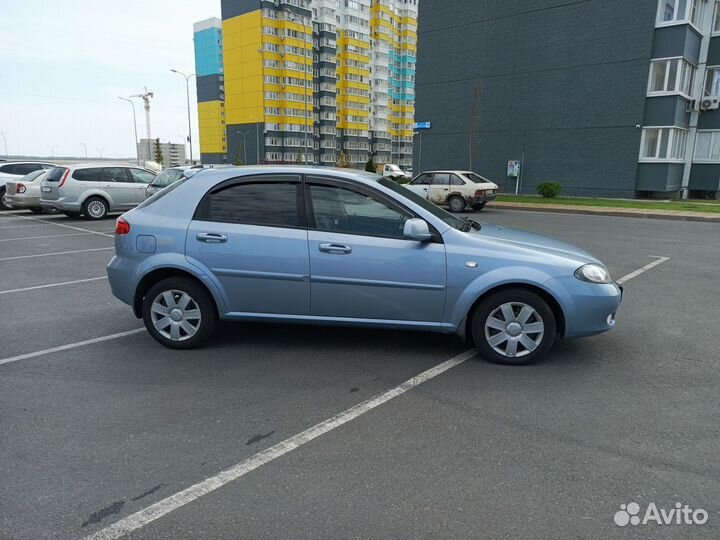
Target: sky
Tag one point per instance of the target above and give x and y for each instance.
(63, 64)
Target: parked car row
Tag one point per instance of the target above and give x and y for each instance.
(13, 171)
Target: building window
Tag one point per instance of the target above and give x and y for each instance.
(712, 81)
(707, 146)
(716, 18)
(679, 12)
(663, 144)
(671, 76)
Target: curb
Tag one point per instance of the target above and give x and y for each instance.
(607, 212)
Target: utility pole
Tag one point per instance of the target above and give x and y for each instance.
(187, 93)
(85, 147)
(135, 140)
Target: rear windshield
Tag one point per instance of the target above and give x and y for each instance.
(476, 178)
(160, 194)
(167, 177)
(33, 176)
(55, 174)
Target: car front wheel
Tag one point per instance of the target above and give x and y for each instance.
(179, 313)
(513, 327)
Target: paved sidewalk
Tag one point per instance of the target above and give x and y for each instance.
(609, 211)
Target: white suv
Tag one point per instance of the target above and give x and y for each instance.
(94, 190)
(12, 170)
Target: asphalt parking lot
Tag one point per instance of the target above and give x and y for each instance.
(94, 431)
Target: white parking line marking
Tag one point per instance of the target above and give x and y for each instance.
(181, 498)
(48, 222)
(69, 346)
(36, 287)
(55, 253)
(20, 226)
(642, 270)
(46, 236)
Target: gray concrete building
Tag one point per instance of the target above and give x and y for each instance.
(608, 97)
(173, 154)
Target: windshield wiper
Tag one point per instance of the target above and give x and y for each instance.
(470, 224)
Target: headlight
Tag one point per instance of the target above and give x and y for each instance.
(593, 273)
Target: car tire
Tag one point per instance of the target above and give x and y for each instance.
(513, 327)
(478, 207)
(170, 295)
(456, 204)
(35, 210)
(72, 214)
(3, 206)
(95, 208)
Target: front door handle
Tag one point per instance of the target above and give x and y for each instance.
(211, 238)
(336, 249)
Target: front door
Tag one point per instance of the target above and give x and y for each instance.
(361, 265)
(250, 234)
(119, 185)
(421, 185)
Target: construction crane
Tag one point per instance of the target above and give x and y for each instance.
(146, 97)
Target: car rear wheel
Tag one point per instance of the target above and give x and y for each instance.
(3, 206)
(513, 327)
(95, 208)
(456, 203)
(478, 206)
(179, 313)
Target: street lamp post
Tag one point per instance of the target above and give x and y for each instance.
(187, 93)
(237, 132)
(85, 147)
(132, 104)
(296, 18)
(5, 141)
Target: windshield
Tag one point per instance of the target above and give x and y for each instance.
(449, 219)
(167, 177)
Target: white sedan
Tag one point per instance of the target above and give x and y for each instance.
(24, 193)
(454, 189)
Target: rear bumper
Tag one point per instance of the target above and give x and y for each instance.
(473, 201)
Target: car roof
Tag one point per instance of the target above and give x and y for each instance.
(17, 162)
(101, 165)
(451, 171)
(226, 173)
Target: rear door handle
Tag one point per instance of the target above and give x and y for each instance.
(211, 238)
(336, 249)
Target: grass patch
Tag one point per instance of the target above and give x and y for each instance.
(679, 206)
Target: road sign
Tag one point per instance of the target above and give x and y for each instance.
(423, 125)
(513, 169)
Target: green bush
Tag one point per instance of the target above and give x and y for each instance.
(549, 190)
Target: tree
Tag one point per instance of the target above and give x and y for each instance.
(159, 158)
(370, 165)
(238, 159)
(299, 157)
(344, 161)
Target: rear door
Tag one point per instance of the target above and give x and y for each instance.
(119, 185)
(141, 179)
(251, 234)
(439, 188)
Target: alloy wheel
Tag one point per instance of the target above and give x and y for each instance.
(175, 315)
(514, 329)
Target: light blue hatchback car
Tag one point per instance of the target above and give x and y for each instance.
(339, 247)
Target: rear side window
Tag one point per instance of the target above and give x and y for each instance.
(271, 204)
(87, 175)
(114, 174)
(167, 177)
(440, 179)
(56, 174)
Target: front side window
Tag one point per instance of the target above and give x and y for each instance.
(671, 76)
(343, 210)
(707, 146)
(422, 180)
(266, 203)
(663, 144)
(142, 177)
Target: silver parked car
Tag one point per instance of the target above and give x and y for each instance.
(24, 194)
(14, 170)
(94, 191)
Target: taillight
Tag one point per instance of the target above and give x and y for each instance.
(20, 188)
(122, 226)
(64, 177)
(480, 193)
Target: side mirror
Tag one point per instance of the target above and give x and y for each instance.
(417, 229)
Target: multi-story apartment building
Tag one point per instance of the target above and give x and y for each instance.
(308, 80)
(172, 154)
(610, 98)
(210, 85)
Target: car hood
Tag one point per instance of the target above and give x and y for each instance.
(535, 242)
